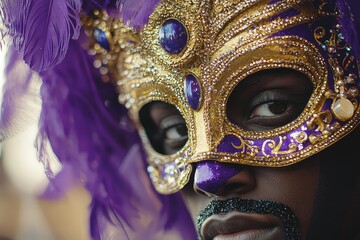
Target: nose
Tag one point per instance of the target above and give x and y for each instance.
(222, 179)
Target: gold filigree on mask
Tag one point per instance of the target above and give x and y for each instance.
(226, 41)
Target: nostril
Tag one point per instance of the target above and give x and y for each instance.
(228, 189)
(210, 176)
(202, 192)
(239, 183)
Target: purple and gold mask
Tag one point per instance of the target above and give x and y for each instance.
(192, 54)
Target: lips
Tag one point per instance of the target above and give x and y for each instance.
(242, 226)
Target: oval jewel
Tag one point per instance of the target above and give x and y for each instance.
(192, 91)
(173, 36)
(101, 38)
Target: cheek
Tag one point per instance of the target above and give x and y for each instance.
(294, 186)
(194, 202)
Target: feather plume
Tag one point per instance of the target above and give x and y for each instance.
(89, 5)
(109, 5)
(21, 101)
(137, 13)
(98, 143)
(41, 30)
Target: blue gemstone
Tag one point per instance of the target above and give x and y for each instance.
(173, 36)
(192, 91)
(101, 39)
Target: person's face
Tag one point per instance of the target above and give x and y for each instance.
(323, 193)
(293, 186)
(255, 202)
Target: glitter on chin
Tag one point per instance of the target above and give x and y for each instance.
(279, 210)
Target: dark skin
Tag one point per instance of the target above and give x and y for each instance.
(271, 99)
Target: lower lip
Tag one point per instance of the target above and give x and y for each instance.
(253, 234)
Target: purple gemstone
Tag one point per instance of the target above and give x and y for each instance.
(192, 91)
(101, 39)
(173, 36)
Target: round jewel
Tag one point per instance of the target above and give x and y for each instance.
(343, 109)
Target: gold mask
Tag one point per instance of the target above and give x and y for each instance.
(192, 54)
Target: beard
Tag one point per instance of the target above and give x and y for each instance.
(283, 212)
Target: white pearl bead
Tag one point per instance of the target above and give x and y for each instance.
(343, 109)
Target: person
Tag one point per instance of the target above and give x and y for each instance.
(247, 112)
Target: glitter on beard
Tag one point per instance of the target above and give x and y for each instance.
(279, 210)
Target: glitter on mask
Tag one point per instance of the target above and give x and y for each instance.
(210, 176)
(279, 210)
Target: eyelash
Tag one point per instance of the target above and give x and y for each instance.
(264, 97)
(270, 96)
(173, 123)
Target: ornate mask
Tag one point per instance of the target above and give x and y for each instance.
(193, 54)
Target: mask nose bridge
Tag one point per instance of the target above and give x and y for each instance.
(201, 135)
(208, 122)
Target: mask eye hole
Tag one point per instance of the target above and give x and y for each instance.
(164, 126)
(269, 99)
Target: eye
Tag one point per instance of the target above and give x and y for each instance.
(269, 109)
(174, 131)
(269, 99)
(165, 127)
(271, 103)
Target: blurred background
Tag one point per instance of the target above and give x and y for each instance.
(24, 214)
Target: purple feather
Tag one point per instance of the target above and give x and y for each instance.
(41, 30)
(97, 142)
(137, 13)
(89, 131)
(97, 4)
(109, 5)
(21, 102)
(134, 13)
